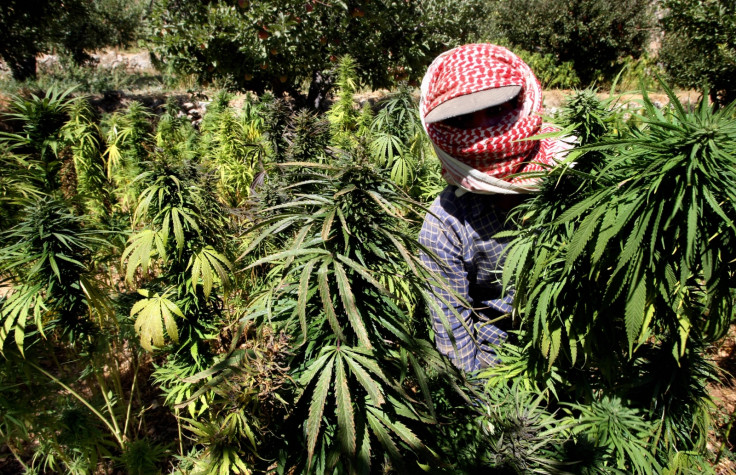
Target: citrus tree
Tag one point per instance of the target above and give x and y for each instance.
(279, 44)
(593, 34)
(699, 49)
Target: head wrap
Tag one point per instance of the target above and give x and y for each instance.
(488, 159)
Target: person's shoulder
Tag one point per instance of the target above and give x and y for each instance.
(461, 206)
(449, 202)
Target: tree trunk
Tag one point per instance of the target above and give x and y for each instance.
(318, 90)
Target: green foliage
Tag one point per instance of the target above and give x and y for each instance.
(233, 146)
(244, 393)
(522, 435)
(280, 44)
(352, 342)
(183, 234)
(398, 143)
(83, 135)
(307, 137)
(592, 34)
(150, 312)
(46, 261)
(698, 46)
(343, 115)
(550, 72)
(75, 27)
(590, 118)
(40, 137)
(142, 457)
(619, 431)
(643, 226)
(317, 356)
(16, 186)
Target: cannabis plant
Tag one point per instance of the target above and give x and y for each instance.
(398, 141)
(39, 138)
(342, 114)
(16, 186)
(83, 135)
(361, 370)
(233, 147)
(276, 114)
(128, 138)
(245, 391)
(175, 135)
(627, 265)
(182, 232)
(46, 262)
(177, 259)
(520, 434)
(307, 137)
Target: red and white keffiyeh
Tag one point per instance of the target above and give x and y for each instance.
(488, 159)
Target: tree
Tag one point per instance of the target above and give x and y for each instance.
(32, 27)
(593, 34)
(699, 46)
(281, 44)
(22, 23)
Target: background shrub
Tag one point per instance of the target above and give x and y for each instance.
(699, 46)
(592, 34)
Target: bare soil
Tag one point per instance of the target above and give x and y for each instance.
(555, 98)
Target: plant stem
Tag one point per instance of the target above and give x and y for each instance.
(178, 428)
(130, 402)
(83, 401)
(115, 369)
(15, 454)
(108, 403)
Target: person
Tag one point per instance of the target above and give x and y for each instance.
(479, 102)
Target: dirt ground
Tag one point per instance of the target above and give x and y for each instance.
(555, 98)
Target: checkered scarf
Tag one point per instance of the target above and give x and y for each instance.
(489, 159)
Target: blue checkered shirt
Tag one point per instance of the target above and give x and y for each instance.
(459, 230)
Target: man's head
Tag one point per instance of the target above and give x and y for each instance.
(479, 101)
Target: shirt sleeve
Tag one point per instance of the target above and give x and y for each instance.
(451, 318)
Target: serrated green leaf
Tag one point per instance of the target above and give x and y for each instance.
(692, 233)
(327, 305)
(344, 409)
(582, 235)
(555, 338)
(384, 438)
(327, 225)
(208, 265)
(350, 307)
(635, 309)
(140, 251)
(316, 365)
(152, 314)
(369, 384)
(316, 409)
(304, 294)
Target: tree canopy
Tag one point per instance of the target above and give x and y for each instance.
(593, 34)
(699, 46)
(73, 27)
(281, 45)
